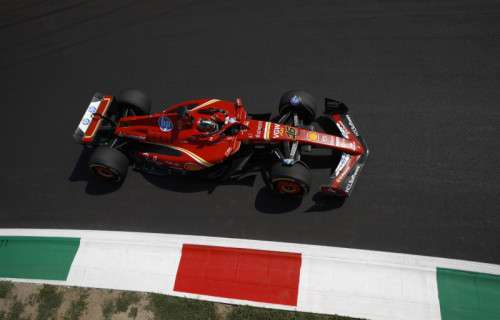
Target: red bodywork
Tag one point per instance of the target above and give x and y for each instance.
(194, 150)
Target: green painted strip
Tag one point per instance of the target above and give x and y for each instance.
(46, 258)
(467, 295)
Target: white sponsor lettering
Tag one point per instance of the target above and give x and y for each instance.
(258, 134)
(351, 124)
(342, 163)
(88, 115)
(350, 183)
(343, 130)
(342, 143)
(276, 131)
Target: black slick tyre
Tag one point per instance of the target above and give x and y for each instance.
(109, 164)
(292, 180)
(299, 101)
(135, 100)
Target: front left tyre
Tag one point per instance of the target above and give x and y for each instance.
(300, 102)
(109, 164)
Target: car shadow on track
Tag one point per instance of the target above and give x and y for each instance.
(266, 201)
(324, 202)
(269, 202)
(187, 184)
(94, 186)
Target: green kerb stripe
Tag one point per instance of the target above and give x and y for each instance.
(46, 258)
(467, 295)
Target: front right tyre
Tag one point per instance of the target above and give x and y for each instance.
(294, 180)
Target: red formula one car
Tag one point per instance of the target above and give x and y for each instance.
(218, 139)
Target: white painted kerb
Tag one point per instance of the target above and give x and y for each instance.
(351, 282)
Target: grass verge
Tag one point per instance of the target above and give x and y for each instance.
(246, 312)
(78, 307)
(22, 301)
(167, 307)
(5, 288)
(49, 299)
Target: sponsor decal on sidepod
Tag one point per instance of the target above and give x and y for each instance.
(165, 124)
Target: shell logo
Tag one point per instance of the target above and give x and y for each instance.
(312, 136)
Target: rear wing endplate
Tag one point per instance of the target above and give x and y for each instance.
(92, 118)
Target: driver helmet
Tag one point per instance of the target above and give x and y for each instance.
(207, 125)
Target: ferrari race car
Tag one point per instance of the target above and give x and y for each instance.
(218, 139)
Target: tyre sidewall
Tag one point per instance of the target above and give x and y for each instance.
(297, 173)
(135, 99)
(113, 160)
(306, 108)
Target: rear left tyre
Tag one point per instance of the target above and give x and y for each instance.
(294, 180)
(109, 164)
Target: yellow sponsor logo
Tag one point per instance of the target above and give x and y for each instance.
(312, 136)
(291, 132)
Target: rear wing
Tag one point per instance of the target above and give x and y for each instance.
(345, 175)
(92, 118)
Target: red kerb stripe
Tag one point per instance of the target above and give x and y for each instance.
(246, 274)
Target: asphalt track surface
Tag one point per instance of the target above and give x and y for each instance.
(422, 81)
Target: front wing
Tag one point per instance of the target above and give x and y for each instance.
(345, 175)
